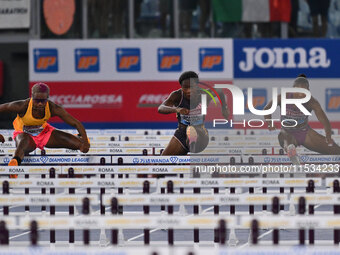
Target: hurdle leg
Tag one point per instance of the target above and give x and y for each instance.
(120, 191)
(86, 236)
(162, 192)
(102, 192)
(52, 231)
(52, 208)
(275, 210)
(232, 207)
(146, 210)
(71, 207)
(251, 207)
(146, 236)
(311, 234)
(276, 236)
(5, 191)
(181, 190)
(196, 212)
(88, 190)
(170, 236)
(336, 234)
(86, 211)
(27, 191)
(264, 191)
(114, 211)
(43, 191)
(34, 233)
(302, 236)
(232, 211)
(4, 233)
(282, 191)
(170, 190)
(114, 236)
(336, 210)
(216, 207)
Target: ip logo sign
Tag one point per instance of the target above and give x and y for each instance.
(259, 99)
(333, 100)
(45, 60)
(86, 60)
(128, 60)
(211, 59)
(169, 59)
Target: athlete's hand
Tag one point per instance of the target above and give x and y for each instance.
(85, 146)
(225, 112)
(2, 139)
(182, 111)
(329, 141)
(271, 126)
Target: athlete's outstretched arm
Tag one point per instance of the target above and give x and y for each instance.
(57, 110)
(12, 107)
(320, 114)
(168, 106)
(269, 116)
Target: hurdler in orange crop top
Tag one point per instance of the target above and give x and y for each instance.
(29, 124)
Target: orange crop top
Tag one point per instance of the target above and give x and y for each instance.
(29, 124)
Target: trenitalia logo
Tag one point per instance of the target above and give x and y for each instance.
(238, 100)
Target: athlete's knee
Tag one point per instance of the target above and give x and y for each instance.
(334, 150)
(201, 141)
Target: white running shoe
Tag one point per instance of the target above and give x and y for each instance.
(291, 152)
(192, 135)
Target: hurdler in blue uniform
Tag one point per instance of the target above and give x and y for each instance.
(191, 135)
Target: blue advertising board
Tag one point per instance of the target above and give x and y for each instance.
(277, 58)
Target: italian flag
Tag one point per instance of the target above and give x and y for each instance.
(251, 10)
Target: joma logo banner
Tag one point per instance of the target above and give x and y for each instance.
(285, 58)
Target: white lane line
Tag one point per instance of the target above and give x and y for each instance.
(25, 233)
(261, 236)
(268, 232)
(153, 230)
(13, 206)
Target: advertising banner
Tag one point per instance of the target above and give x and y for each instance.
(14, 14)
(126, 80)
(277, 58)
(129, 60)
